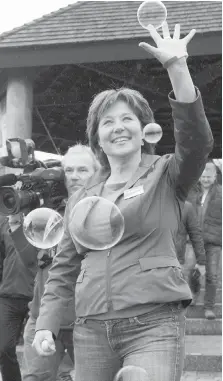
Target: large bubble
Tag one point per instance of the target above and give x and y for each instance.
(96, 223)
(43, 228)
(151, 12)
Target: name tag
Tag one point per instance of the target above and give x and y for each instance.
(133, 192)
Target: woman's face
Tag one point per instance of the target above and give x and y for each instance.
(119, 131)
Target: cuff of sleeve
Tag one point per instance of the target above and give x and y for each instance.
(173, 100)
(50, 324)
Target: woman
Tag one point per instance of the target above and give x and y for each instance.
(131, 300)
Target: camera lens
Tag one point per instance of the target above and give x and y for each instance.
(9, 201)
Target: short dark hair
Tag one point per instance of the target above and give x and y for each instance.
(106, 99)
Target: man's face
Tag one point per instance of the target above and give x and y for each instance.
(208, 176)
(78, 167)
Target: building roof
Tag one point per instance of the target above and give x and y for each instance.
(88, 21)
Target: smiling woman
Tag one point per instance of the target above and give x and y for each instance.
(120, 133)
(119, 111)
(131, 299)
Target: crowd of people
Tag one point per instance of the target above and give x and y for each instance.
(124, 306)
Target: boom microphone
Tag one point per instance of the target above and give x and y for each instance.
(9, 179)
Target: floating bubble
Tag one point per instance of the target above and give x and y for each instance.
(43, 228)
(96, 223)
(132, 373)
(152, 12)
(152, 133)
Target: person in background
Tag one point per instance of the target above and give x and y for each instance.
(79, 163)
(190, 245)
(18, 267)
(207, 199)
(131, 299)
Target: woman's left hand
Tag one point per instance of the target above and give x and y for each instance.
(168, 48)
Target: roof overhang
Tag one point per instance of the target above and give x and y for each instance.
(115, 50)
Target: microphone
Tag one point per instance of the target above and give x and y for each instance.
(9, 179)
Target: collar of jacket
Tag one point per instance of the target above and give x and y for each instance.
(94, 184)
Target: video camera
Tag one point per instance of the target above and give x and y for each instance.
(42, 182)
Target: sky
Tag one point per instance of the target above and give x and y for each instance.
(15, 13)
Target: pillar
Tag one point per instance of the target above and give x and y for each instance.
(18, 109)
(19, 103)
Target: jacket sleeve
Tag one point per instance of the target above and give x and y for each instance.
(59, 288)
(194, 142)
(195, 234)
(27, 252)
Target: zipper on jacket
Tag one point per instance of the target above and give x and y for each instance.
(108, 281)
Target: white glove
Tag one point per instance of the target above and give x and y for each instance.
(168, 49)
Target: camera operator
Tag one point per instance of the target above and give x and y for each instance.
(18, 266)
(79, 164)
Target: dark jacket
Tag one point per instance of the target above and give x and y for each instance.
(212, 219)
(18, 263)
(190, 227)
(142, 267)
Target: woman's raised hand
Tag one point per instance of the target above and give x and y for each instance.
(168, 48)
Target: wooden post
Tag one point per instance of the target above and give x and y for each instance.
(19, 103)
(17, 117)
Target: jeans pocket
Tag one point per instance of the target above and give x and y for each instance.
(160, 315)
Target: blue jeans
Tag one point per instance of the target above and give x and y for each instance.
(12, 314)
(37, 368)
(213, 256)
(153, 341)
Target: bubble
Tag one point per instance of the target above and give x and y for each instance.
(152, 12)
(152, 133)
(132, 373)
(43, 228)
(97, 223)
